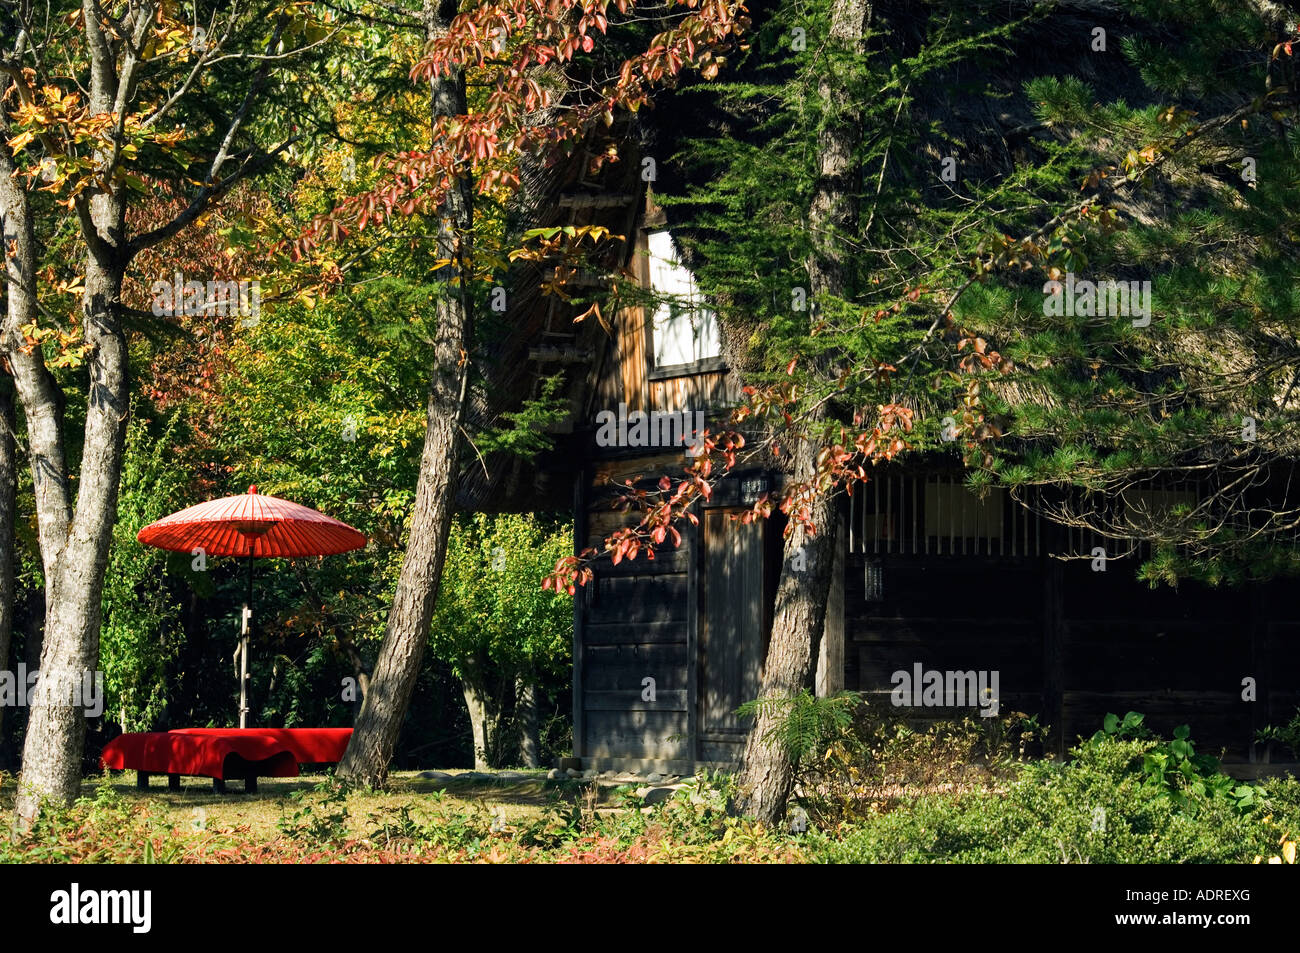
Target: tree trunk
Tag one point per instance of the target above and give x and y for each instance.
(530, 748)
(374, 735)
(481, 726)
(74, 544)
(833, 211)
(42, 400)
(56, 731)
(767, 776)
(8, 502)
(43, 412)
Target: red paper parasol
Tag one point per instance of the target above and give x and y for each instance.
(251, 525)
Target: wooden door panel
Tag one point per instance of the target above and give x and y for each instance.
(731, 621)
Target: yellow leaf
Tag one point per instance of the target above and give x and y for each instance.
(1288, 852)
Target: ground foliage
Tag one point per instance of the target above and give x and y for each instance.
(1096, 807)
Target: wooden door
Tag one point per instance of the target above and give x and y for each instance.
(730, 631)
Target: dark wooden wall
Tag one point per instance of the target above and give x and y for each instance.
(1072, 644)
(946, 614)
(978, 584)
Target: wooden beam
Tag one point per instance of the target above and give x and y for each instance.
(830, 659)
(1260, 709)
(1054, 633)
(581, 279)
(560, 355)
(594, 200)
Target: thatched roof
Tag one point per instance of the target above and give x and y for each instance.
(542, 338)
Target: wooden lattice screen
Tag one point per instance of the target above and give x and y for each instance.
(935, 514)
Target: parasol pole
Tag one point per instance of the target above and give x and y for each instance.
(244, 641)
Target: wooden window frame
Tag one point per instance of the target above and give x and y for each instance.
(659, 372)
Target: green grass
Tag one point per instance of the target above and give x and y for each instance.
(260, 811)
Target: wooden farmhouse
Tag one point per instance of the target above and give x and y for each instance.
(929, 578)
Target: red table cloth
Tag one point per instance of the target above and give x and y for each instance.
(226, 752)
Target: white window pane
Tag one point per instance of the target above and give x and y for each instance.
(685, 331)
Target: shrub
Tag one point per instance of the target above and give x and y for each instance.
(852, 759)
(1094, 809)
(1174, 769)
(1288, 735)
